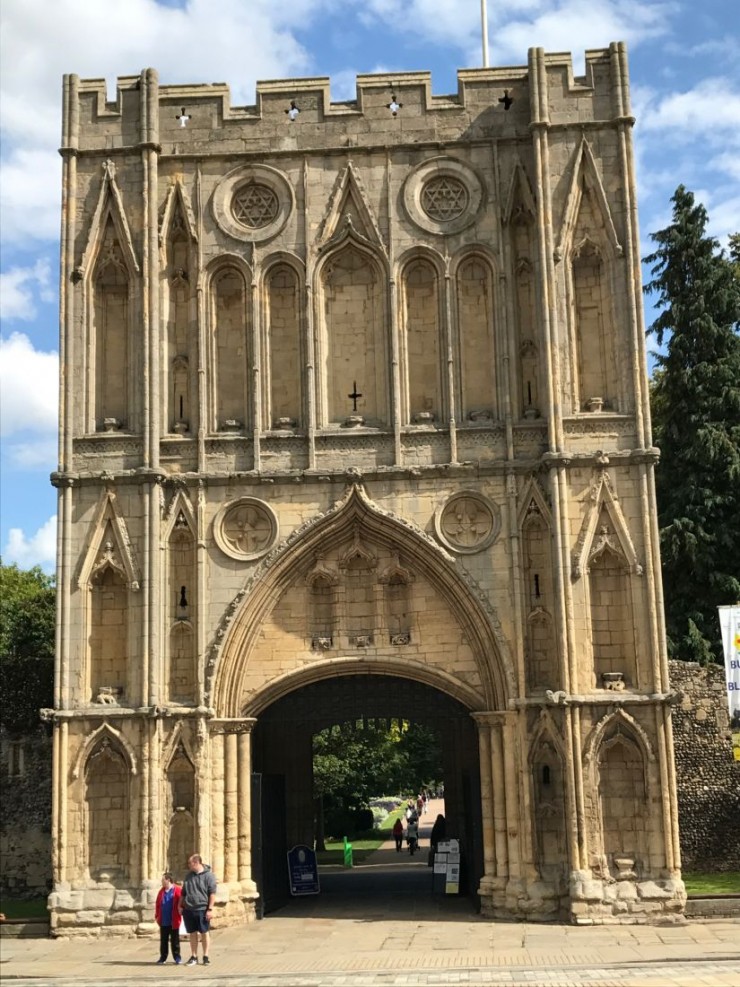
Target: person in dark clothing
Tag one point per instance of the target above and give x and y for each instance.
(196, 906)
(439, 832)
(398, 834)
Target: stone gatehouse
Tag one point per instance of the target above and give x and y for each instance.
(355, 422)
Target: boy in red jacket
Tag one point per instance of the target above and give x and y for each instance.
(168, 916)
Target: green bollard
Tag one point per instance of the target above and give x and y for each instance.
(348, 861)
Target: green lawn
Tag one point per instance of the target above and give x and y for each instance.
(727, 883)
(362, 845)
(33, 908)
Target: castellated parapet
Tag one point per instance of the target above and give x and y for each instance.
(355, 414)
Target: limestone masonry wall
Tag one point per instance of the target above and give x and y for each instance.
(708, 776)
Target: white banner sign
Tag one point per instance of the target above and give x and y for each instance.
(729, 622)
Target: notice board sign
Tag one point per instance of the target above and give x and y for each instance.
(303, 871)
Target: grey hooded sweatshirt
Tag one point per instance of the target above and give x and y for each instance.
(197, 888)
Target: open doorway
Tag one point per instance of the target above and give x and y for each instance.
(285, 813)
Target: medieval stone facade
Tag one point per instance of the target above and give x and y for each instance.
(354, 413)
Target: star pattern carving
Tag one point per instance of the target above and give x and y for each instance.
(255, 205)
(444, 198)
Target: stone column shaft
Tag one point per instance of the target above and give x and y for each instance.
(231, 790)
(501, 846)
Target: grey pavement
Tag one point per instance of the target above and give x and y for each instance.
(379, 924)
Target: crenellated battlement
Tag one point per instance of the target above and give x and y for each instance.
(389, 108)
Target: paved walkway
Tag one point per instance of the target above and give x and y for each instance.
(380, 925)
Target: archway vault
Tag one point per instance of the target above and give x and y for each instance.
(241, 630)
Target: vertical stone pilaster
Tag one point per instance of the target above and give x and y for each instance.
(217, 798)
(231, 787)
(449, 349)
(498, 781)
(245, 806)
(486, 798)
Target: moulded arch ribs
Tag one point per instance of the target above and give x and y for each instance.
(611, 725)
(331, 668)
(276, 259)
(99, 555)
(585, 176)
(104, 733)
(420, 253)
(109, 207)
(349, 206)
(520, 204)
(177, 197)
(241, 626)
(321, 572)
(602, 497)
(396, 572)
(176, 747)
(228, 262)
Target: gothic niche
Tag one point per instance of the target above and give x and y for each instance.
(397, 582)
(423, 343)
(525, 314)
(597, 376)
(107, 812)
(283, 340)
(475, 340)
(623, 804)
(549, 814)
(230, 350)
(610, 597)
(181, 810)
(178, 316)
(358, 565)
(182, 606)
(322, 606)
(541, 656)
(354, 344)
(111, 335)
(108, 641)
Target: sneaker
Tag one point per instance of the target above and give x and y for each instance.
(206, 961)
(178, 959)
(193, 961)
(160, 961)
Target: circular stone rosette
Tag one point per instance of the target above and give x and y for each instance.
(443, 196)
(467, 523)
(253, 202)
(246, 529)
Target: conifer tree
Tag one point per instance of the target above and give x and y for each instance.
(695, 400)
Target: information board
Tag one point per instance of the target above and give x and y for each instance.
(303, 871)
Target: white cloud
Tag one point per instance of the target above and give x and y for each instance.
(40, 454)
(18, 287)
(29, 386)
(30, 195)
(39, 549)
(711, 109)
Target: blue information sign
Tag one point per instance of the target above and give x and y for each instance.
(303, 871)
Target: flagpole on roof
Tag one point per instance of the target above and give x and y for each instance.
(484, 31)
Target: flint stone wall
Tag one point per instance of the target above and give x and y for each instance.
(25, 814)
(708, 778)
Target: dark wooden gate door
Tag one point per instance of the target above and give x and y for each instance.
(269, 842)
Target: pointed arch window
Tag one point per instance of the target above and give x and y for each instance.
(423, 344)
(230, 350)
(474, 284)
(284, 344)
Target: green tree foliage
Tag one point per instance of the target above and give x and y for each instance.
(696, 419)
(27, 620)
(354, 762)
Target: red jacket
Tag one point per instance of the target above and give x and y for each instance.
(176, 915)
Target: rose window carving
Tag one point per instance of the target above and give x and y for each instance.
(468, 523)
(246, 529)
(255, 205)
(444, 198)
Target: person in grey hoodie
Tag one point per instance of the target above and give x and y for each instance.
(196, 906)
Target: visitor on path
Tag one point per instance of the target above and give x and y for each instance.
(411, 812)
(196, 906)
(168, 917)
(398, 834)
(412, 835)
(439, 832)
(419, 805)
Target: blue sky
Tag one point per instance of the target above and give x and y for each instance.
(685, 75)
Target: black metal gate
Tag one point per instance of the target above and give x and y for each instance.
(269, 842)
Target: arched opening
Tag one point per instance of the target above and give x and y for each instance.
(285, 810)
